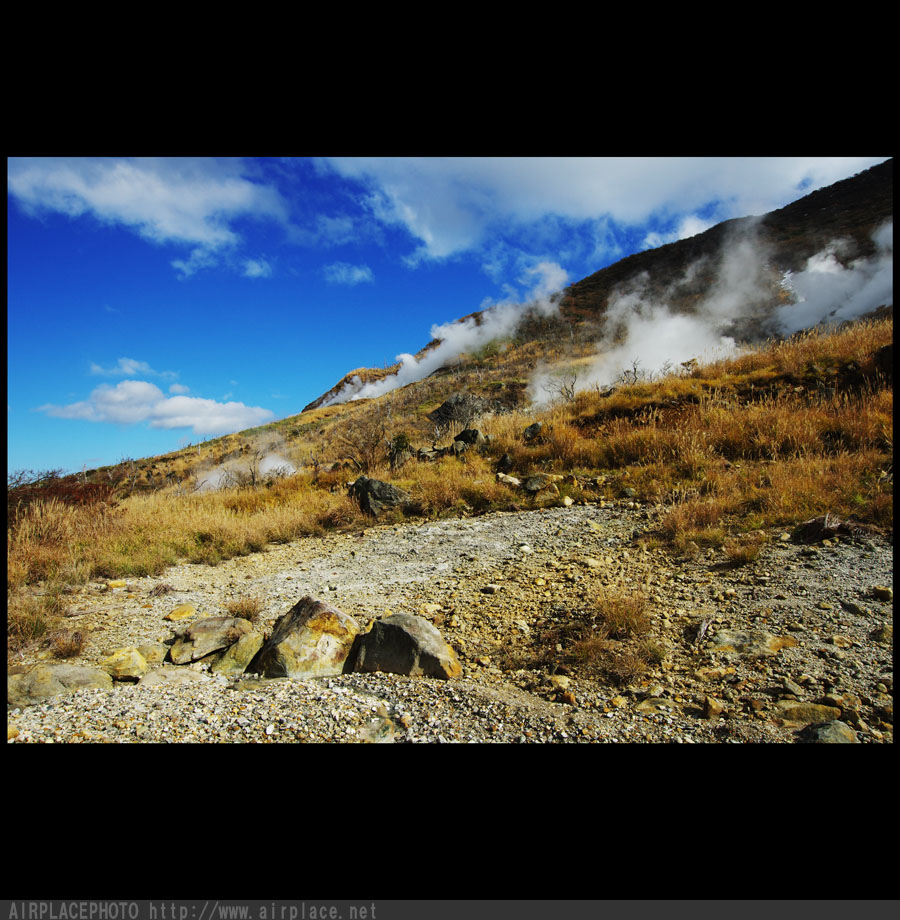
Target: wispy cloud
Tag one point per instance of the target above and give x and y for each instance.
(128, 367)
(257, 268)
(184, 201)
(344, 273)
(452, 205)
(132, 402)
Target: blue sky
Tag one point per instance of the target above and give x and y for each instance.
(154, 302)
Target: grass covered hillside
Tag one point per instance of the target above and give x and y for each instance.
(723, 453)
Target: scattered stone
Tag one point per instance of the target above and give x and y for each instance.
(207, 636)
(44, 681)
(181, 612)
(312, 639)
(377, 731)
(153, 652)
(236, 658)
(374, 496)
(540, 482)
(751, 642)
(170, 676)
(712, 708)
(492, 589)
(125, 664)
(404, 643)
(471, 436)
(883, 593)
(510, 481)
(834, 732)
(793, 711)
(533, 432)
(884, 634)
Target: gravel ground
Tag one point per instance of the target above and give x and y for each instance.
(494, 586)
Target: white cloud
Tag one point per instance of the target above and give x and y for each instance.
(451, 204)
(690, 225)
(344, 273)
(167, 200)
(179, 388)
(128, 367)
(257, 268)
(135, 401)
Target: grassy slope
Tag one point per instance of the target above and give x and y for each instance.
(786, 432)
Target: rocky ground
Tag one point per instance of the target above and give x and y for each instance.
(793, 646)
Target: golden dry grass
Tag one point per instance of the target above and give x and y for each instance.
(722, 459)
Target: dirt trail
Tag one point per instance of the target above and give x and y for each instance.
(496, 586)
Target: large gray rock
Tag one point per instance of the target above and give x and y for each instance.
(404, 643)
(207, 636)
(375, 496)
(45, 681)
(312, 639)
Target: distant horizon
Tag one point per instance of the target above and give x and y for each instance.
(157, 302)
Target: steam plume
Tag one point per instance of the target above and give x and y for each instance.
(498, 321)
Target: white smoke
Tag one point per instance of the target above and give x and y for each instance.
(270, 466)
(646, 337)
(496, 322)
(827, 291)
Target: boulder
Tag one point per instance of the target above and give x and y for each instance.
(471, 436)
(533, 432)
(236, 658)
(539, 482)
(207, 636)
(312, 639)
(404, 643)
(374, 496)
(44, 681)
(460, 407)
(125, 664)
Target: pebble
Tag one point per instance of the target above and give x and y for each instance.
(454, 560)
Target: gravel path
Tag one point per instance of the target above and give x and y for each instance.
(494, 585)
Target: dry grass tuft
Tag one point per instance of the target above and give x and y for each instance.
(248, 608)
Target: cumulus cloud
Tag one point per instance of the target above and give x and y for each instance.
(166, 200)
(497, 321)
(832, 290)
(136, 401)
(344, 273)
(452, 205)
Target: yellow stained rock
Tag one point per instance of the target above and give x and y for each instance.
(181, 612)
